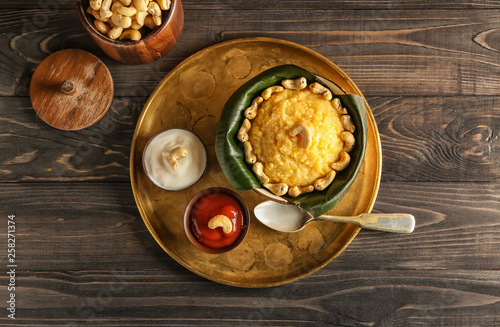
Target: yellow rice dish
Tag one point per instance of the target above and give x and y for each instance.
(284, 160)
(296, 137)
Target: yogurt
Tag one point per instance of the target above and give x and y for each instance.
(169, 171)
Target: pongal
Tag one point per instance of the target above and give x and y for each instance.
(296, 137)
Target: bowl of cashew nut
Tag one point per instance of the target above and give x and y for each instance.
(293, 137)
(133, 31)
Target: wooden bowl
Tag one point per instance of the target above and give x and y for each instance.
(150, 48)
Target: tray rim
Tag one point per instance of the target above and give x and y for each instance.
(372, 124)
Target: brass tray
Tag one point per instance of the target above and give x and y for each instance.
(191, 96)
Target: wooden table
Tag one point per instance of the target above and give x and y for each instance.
(430, 72)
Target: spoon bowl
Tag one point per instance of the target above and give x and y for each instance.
(290, 218)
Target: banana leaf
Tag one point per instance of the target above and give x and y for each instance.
(230, 151)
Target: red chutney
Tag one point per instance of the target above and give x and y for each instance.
(210, 206)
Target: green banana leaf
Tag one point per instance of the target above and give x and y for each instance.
(230, 151)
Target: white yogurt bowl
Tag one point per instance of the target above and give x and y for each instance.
(170, 171)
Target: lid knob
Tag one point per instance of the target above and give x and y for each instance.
(68, 87)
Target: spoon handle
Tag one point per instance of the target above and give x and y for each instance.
(386, 222)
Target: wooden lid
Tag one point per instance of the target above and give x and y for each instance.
(71, 89)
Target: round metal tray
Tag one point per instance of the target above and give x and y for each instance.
(191, 96)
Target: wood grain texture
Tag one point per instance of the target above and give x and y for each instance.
(386, 52)
(429, 70)
(71, 89)
(446, 274)
(32, 151)
(424, 139)
(439, 139)
(457, 227)
(241, 5)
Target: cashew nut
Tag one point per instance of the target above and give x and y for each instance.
(295, 84)
(149, 22)
(337, 105)
(249, 155)
(176, 155)
(133, 35)
(95, 4)
(105, 10)
(349, 141)
(343, 162)
(97, 16)
(133, 14)
(156, 20)
(114, 5)
(139, 17)
(154, 9)
(295, 191)
(266, 94)
(123, 10)
(243, 131)
(164, 4)
(305, 135)
(277, 188)
(115, 32)
(347, 123)
(258, 169)
(251, 112)
(121, 21)
(141, 5)
(135, 25)
(317, 88)
(101, 27)
(221, 221)
(321, 183)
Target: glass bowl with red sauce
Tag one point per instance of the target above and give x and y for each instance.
(212, 237)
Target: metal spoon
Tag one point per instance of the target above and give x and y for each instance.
(290, 218)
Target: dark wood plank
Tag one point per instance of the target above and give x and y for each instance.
(439, 138)
(447, 139)
(430, 73)
(452, 298)
(386, 52)
(53, 5)
(457, 227)
(85, 257)
(33, 151)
